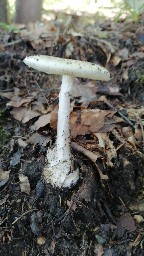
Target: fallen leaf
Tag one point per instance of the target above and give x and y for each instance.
(138, 54)
(71, 204)
(37, 33)
(18, 113)
(15, 159)
(98, 250)
(85, 91)
(19, 101)
(24, 114)
(7, 95)
(107, 145)
(41, 122)
(90, 121)
(4, 177)
(22, 143)
(24, 184)
(123, 54)
(87, 189)
(37, 138)
(116, 60)
(125, 222)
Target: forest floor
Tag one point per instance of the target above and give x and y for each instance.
(104, 213)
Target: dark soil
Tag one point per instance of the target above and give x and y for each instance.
(97, 216)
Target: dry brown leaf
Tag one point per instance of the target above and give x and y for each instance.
(18, 113)
(4, 177)
(117, 133)
(41, 122)
(87, 91)
(17, 101)
(138, 54)
(24, 184)
(107, 145)
(135, 113)
(40, 35)
(99, 251)
(22, 143)
(116, 60)
(123, 54)
(24, 114)
(125, 75)
(40, 107)
(125, 222)
(107, 48)
(90, 121)
(107, 89)
(7, 95)
(71, 204)
(86, 190)
(37, 138)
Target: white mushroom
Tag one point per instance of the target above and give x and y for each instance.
(59, 171)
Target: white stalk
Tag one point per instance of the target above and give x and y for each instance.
(63, 126)
(59, 170)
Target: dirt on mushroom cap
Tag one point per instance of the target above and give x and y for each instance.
(75, 68)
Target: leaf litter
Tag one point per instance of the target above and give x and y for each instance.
(106, 133)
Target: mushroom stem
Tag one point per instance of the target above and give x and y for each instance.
(63, 126)
(59, 171)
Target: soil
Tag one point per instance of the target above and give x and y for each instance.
(103, 214)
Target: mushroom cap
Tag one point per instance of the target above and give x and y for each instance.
(60, 66)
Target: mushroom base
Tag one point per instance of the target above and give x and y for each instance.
(59, 173)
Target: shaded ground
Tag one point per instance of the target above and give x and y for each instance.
(103, 214)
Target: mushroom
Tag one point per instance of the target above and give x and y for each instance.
(60, 171)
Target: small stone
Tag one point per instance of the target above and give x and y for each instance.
(41, 240)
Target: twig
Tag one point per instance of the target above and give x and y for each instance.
(142, 130)
(120, 113)
(93, 157)
(23, 215)
(13, 42)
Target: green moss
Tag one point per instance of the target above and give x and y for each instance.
(140, 77)
(7, 27)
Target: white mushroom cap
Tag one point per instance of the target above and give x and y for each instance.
(75, 68)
